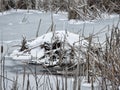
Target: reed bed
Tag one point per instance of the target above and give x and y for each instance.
(77, 9)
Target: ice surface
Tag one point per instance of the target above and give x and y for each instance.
(14, 24)
(24, 22)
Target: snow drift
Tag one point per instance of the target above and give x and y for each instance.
(58, 47)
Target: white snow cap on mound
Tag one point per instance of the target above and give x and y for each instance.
(63, 36)
(69, 37)
(41, 54)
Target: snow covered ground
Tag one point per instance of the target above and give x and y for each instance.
(14, 24)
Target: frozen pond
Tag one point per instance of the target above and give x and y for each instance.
(14, 24)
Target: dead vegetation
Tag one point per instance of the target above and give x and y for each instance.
(23, 44)
(103, 61)
(6, 5)
(77, 9)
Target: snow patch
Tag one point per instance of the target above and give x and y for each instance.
(88, 86)
(63, 19)
(108, 16)
(56, 15)
(71, 38)
(78, 22)
(10, 24)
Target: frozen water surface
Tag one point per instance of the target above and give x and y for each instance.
(18, 23)
(14, 24)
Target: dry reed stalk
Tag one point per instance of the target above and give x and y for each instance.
(36, 79)
(1, 66)
(58, 83)
(23, 83)
(15, 83)
(38, 29)
(88, 59)
(28, 83)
